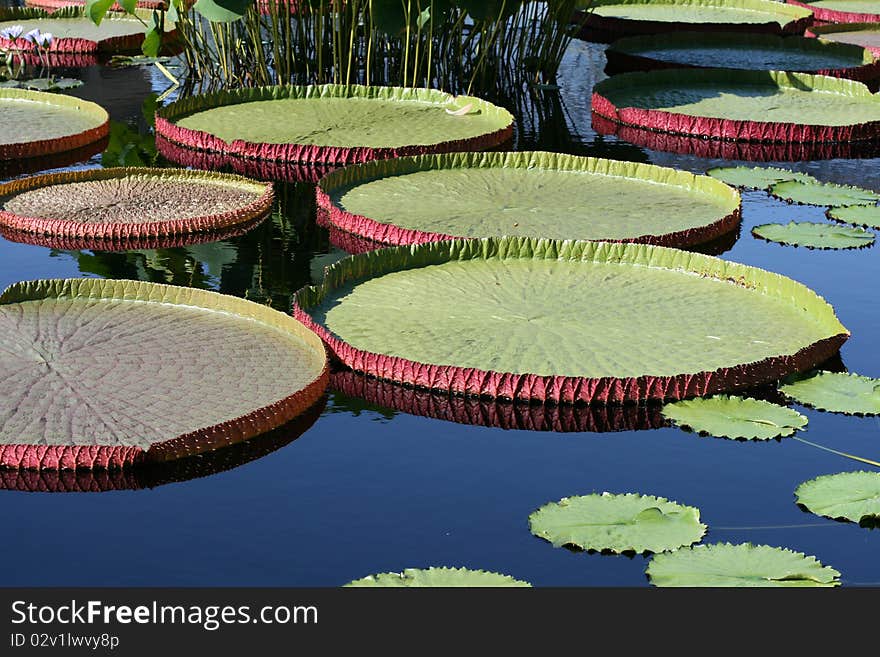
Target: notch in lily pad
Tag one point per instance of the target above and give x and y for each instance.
(852, 496)
(743, 565)
(438, 577)
(624, 523)
(738, 418)
(757, 177)
(815, 235)
(835, 392)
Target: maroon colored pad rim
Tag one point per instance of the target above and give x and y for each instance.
(620, 61)
(25, 165)
(76, 231)
(720, 128)
(306, 153)
(236, 430)
(529, 387)
(389, 234)
(827, 15)
(51, 5)
(564, 418)
(828, 31)
(734, 150)
(159, 474)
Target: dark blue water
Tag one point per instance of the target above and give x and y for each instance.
(367, 489)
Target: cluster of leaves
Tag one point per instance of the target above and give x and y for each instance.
(96, 10)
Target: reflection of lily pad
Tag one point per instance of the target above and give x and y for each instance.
(853, 496)
(618, 523)
(755, 177)
(628, 321)
(735, 417)
(858, 215)
(836, 392)
(820, 193)
(102, 373)
(815, 235)
(442, 576)
(433, 197)
(726, 565)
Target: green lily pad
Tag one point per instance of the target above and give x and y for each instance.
(442, 577)
(815, 235)
(836, 392)
(618, 523)
(748, 12)
(858, 215)
(756, 177)
(821, 193)
(866, 35)
(746, 565)
(853, 496)
(735, 417)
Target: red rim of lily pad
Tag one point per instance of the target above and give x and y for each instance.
(549, 388)
(717, 128)
(234, 430)
(26, 165)
(78, 231)
(827, 15)
(373, 230)
(293, 153)
(605, 29)
(52, 5)
(828, 32)
(560, 418)
(151, 475)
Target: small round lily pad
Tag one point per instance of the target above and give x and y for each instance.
(836, 392)
(807, 192)
(735, 417)
(618, 523)
(743, 565)
(853, 496)
(815, 235)
(439, 577)
(756, 177)
(858, 215)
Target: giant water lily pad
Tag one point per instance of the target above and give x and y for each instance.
(333, 124)
(853, 496)
(756, 177)
(735, 417)
(750, 106)
(727, 565)
(813, 192)
(101, 373)
(439, 576)
(566, 321)
(841, 11)
(866, 35)
(836, 392)
(815, 235)
(131, 203)
(618, 523)
(40, 124)
(756, 52)
(860, 215)
(433, 197)
(621, 17)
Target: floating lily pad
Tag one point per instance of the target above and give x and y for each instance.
(39, 124)
(756, 52)
(735, 417)
(842, 11)
(131, 203)
(853, 496)
(618, 523)
(622, 17)
(442, 576)
(756, 177)
(98, 373)
(821, 193)
(866, 35)
(727, 565)
(859, 215)
(333, 124)
(750, 106)
(628, 321)
(434, 197)
(836, 392)
(815, 235)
